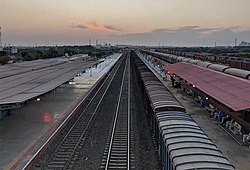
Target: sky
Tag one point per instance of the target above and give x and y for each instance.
(136, 22)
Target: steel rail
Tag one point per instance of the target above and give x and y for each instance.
(91, 118)
(107, 164)
(113, 73)
(129, 91)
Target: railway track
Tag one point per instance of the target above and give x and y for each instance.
(117, 154)
(66, 151)
(100, 135)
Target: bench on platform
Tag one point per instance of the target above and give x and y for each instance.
(237, 128)
(189, 92)
(210, 108)
(197, 99)
(234, 127)
(225, 119)
(229, 124)
(246, 139)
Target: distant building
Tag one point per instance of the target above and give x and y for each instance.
(104, 46)
(243, 43)
(98, 46)
(11, 50)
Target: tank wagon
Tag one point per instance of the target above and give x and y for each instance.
(182, 144)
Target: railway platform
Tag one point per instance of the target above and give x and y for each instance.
(238, 155)
(23, 132)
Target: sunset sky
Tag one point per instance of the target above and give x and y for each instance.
(141, 22)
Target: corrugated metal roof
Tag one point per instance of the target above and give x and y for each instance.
(21, 85)
(232, 91)
(186, 145)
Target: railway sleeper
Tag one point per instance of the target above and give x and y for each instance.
(74, 136)
(70, 143)
(55, 166)
(118, 151)
(57, 162)
(120, 139)
(61, 158)
(117, 164)
(63, 154)
(119, 154)
(67, 146)
(118, 161)
(119, 146)
(117, 167)
(118, 157)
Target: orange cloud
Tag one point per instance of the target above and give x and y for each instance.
(107, 28)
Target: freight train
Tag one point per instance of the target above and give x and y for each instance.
(217, 67)
(234, 62)
(182, 144)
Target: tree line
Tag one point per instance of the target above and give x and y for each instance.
(35, 53)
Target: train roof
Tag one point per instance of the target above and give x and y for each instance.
(203, 64)
(218, 67)
(180, 58)
(162, 99)
(174, 56)
(185, 60)
(159, 96)
(238, 72)
(187, 145)
(193, 61)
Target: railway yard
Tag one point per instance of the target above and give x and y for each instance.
(238, 155)
(122, 113)
(124, 85)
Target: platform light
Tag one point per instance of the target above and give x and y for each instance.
(169, 72)
(38, 99)
(47, 118)
(193, 86)
(207, 98)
